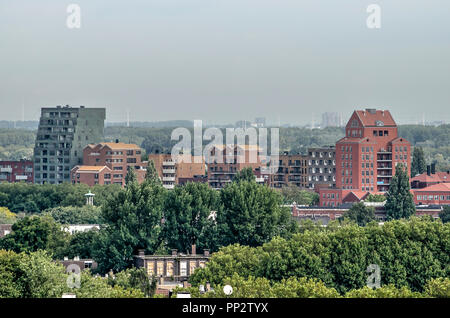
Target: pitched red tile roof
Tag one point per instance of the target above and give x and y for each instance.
(437, 177)
(440, 187)
(90, 168)
(369, 119)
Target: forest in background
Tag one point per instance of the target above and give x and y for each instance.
(435, 141)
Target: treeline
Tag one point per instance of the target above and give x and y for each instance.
(409, 254)
(35, 198)
(16, 144)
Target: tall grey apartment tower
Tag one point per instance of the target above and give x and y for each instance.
(63, 133)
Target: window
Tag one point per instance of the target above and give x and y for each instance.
(160, 268)
(169, 269)
(183, 268)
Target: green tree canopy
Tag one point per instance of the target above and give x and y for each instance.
(151, 176)
(445, 214)
(409, 253)
(399, 203)
(360, 213)
(418, 164)
(291, 193)
(32, 275)
(246, 174)
(251, 214)
(6, 216)
(36, 233)
(187, 218)
(132, 221)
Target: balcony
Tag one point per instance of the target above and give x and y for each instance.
(6, 170)
(168, 178)
(169, 163)
(171, 171)
(169, 186)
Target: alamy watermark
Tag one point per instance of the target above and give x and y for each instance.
(374, 279)
(73, 20)
(249, 145)
(74, 278)
(374, 19)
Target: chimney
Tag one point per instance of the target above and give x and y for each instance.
(206, 252)
(428, 170)
(194, 251)
(433, 168)
(174, 252)
(141, 252)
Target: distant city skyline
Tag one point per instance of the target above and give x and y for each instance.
(225, 61)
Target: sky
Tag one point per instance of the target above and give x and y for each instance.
(226, 60)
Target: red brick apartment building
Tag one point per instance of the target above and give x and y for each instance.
(16, 171)
(292, 169)
(221, 171)
(184, 169)
(107, 163)
(367, 156)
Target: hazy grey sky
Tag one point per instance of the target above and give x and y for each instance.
(225, 60)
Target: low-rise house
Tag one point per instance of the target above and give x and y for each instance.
(171, 270)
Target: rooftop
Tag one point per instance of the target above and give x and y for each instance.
(90, 168)
(116, 145)
(440, 187)
(371, 117)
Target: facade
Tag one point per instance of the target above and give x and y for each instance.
(109, 163)
(321, 167)
(62, 134)
(196, 178)
(366, 157)
(92, 175)
(292, 169)
(16, 171)
(184, 169)
(222, 168)
(171, 270)
(81, 263)
(436, 194)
